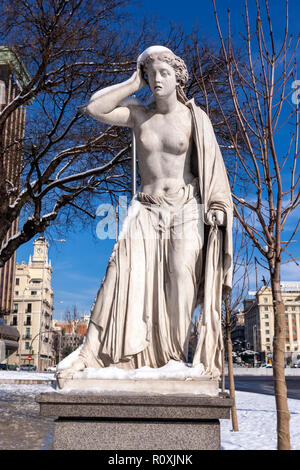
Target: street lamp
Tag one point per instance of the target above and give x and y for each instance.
(62, 240)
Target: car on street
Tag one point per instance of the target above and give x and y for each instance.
(28, 367)
(51, 369)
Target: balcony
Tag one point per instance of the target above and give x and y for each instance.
(26, 336)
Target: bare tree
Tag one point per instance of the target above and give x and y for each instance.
(67, 50)
(242, 258)
(266, 117)
(72, 317)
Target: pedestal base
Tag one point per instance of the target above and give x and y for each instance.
(94, 421)
(202, 386)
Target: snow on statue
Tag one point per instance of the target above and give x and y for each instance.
(175, 250)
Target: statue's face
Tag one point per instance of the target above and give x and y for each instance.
(161, 77)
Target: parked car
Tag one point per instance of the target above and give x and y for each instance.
(51, 369)
(28, 367)
(3, 367)
(13, 367)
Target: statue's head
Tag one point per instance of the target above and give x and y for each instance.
(159, 53)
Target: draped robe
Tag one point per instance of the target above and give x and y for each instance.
(166, 262)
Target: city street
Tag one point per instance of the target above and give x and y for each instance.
(257, 384)
(21, 426)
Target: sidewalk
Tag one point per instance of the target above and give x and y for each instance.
(261, 371)
(27, 378)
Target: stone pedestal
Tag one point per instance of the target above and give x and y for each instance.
(123, 421)
(200, 386)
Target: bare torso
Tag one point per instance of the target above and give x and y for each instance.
(164, 144)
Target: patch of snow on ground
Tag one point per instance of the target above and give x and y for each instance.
(23, 375)
(256, 415)
(257, 423)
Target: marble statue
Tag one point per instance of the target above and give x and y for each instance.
(175, 248)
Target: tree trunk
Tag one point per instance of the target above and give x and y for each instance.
(223, 369)
(230, 368)
(280, 389)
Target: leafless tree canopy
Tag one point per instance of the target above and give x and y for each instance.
(266, 121)
(69, 49)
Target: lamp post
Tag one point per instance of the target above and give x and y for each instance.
(62, 240)
(39, 334)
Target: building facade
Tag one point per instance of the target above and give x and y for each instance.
(33, 308)
(259, 321)
(238, 332)
(69, 335)
(12, 74)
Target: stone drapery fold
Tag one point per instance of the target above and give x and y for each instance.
(143, 311)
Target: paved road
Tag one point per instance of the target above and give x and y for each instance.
(258, 384)
(21, 426)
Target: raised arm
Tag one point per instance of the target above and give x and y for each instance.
(106, 105)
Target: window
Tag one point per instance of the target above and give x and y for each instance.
(29, 306)
(267, 323)
(267, 340)
(28, 320)
(17, 281)
(293, 309)
(16, 292)
(27, 345)
(267, 333)
(15, 320)
(15, 308)
(265, 299)
(27, 332)
(33, 292)
(266, 315)
(266, 309)
(286, 308)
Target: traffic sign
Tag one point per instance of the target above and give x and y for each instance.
(29, 358)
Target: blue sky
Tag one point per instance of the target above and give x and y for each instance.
(79, 264)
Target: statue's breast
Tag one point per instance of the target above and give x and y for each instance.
(164, 136)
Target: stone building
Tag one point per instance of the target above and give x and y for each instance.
(69, 335)
(12, 74)
(259, 321)
(33, 308)
(238, 331)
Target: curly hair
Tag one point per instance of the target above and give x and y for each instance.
(181, 72)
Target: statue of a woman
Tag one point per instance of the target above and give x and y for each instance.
(174, 250)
